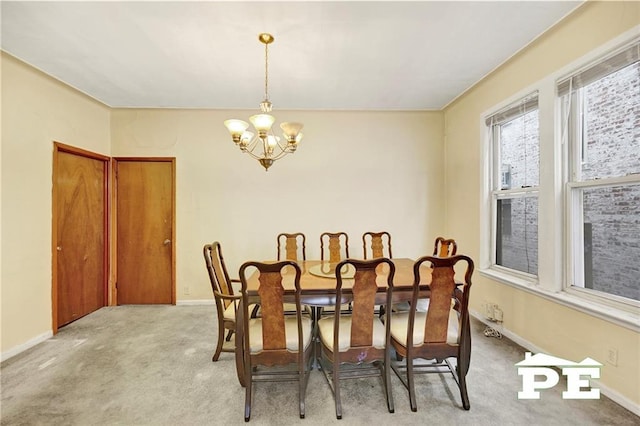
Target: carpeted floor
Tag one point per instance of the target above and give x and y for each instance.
(151, 365)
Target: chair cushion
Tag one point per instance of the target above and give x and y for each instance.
(230, 313)
(325, 328)
(289, 309)
(290, 329)
(400, 322)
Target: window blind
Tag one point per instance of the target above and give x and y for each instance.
(616, 62)
(514, 110)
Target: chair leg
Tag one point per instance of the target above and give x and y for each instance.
(247, 398)
(387, 381)
(462, 366)
(336, 388)
(229, 334)
(411, 385)
(241, 371)
(302, 379)
(216, 354)
(462, 382)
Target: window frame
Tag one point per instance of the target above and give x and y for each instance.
(552, 227)
(528, 103)
(574, 184)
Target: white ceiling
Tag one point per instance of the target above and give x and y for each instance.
(326, 55)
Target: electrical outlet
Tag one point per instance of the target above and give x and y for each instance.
(187, 290)
(490, 311)
(498, 315)
(612, 356)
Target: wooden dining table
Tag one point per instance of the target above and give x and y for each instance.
(318, 280)
(318, 289)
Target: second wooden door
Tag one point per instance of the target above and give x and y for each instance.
(145, 231)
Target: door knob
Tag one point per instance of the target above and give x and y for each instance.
(59, 248)
(167, 241)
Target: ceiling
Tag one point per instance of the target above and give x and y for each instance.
(347, 55)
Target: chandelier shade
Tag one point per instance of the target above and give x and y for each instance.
(264, 146)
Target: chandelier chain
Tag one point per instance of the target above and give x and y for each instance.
(266, 72)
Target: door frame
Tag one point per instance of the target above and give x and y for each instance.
(113, 291)
(59, 147)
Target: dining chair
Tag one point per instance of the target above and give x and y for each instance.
(335, 243)
(376, 244)
(377, 241)
(294, 245)
(440, 333)
(273, 339)
(444, 248)
(356, 344)
(223, 293)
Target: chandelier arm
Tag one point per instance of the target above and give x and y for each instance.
(249, 147)
(283, 148)
(252, 155)
(252, 147)
(280, 155)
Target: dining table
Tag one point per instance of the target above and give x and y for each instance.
(318, 289)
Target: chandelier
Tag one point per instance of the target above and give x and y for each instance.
(265, 146)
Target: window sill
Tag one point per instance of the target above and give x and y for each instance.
(625, 318)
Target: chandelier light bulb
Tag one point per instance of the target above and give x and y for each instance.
(262, 122)
(291, 130)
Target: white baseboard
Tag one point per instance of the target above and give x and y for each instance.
(195, 302)
(612, 394)
(26, 345)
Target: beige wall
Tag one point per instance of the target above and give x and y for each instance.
(556, 329)
(36, 110)
(221, 193)
(354, 172)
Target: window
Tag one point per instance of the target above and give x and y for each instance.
(601, 110)
(514, 186)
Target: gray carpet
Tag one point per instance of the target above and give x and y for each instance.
(151, 365)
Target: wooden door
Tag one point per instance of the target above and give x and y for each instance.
(80, 243)
(145, 231)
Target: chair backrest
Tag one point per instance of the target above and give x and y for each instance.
(376, 244)
(335, 243)
(445, 295)
(218, 275)
(293, 243)
(444, 247)
(363, 295)
(271, 298)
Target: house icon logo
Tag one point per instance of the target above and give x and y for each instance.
(540, 365)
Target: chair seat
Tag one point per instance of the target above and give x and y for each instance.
(230, 313)
(325, 328)
(400, 322)
(289, 309)
(291, 332)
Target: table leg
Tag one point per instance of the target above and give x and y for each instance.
(316, 315)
